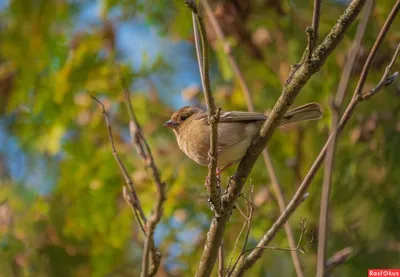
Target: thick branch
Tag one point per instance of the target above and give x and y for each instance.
(290, 91)
(200, 35)
(250, 106)
(330, 156)
(357, 98)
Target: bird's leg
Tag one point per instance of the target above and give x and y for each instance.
(219, 171)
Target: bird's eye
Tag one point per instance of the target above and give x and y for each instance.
(183, 117)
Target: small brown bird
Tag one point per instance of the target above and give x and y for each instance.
(236, 131)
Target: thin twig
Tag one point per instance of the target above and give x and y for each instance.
(375, 48)
(250, 212)
(250, 106)
(289, 93)
(134, 199)
(386, 79)
(330, 155)
(312, 38)
(145, 153)
(240, 211)
(315, 27)
(248, 217)
(131, 202)
(297, 248)
(200, 35)
(236, 244)
(357, 98)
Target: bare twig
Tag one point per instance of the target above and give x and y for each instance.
(144, 152)
(134, 199)
(330, 155)
(357, 98)
(128, 196)
(250, 106)
(312, 38)
(247, 222)
(386, 79)
(250, 212)
(200, 35)
(314, 27)
(289, 93)
(297, 248)
(374, 50)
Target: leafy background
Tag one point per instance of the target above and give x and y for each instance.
(61, 206)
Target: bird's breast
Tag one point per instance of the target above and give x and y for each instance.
(233, 141)
(194, 141)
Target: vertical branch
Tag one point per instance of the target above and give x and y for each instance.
(330, 155)
(312, 36)
(315, 24)
(250, 106)
(358, 97)
(145, 153)
(200, 35)
(290, 91)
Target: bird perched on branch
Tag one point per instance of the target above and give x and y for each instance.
(236, 131)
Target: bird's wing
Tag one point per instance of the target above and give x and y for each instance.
(238, 116)
(234, 116)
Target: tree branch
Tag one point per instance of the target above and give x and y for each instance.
(249, 217)
(250, 106)
(133, 198)
(200, 35)
(312, 33)
(144, 152)
(312, 38)
(290, 91)
(357, 98)
(330, 155)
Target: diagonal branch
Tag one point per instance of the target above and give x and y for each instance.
(289, 93)
(200, 35)
(131, 192)
(358, 97)
(250, 106)
(144, 152)
(330, 155)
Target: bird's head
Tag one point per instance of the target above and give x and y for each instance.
(181, 116)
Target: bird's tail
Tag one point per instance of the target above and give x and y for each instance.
(310, 111)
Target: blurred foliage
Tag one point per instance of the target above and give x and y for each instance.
(83, 227)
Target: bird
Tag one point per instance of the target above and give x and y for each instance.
(236, 131)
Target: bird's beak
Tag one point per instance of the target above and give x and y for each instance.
(171, 124)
